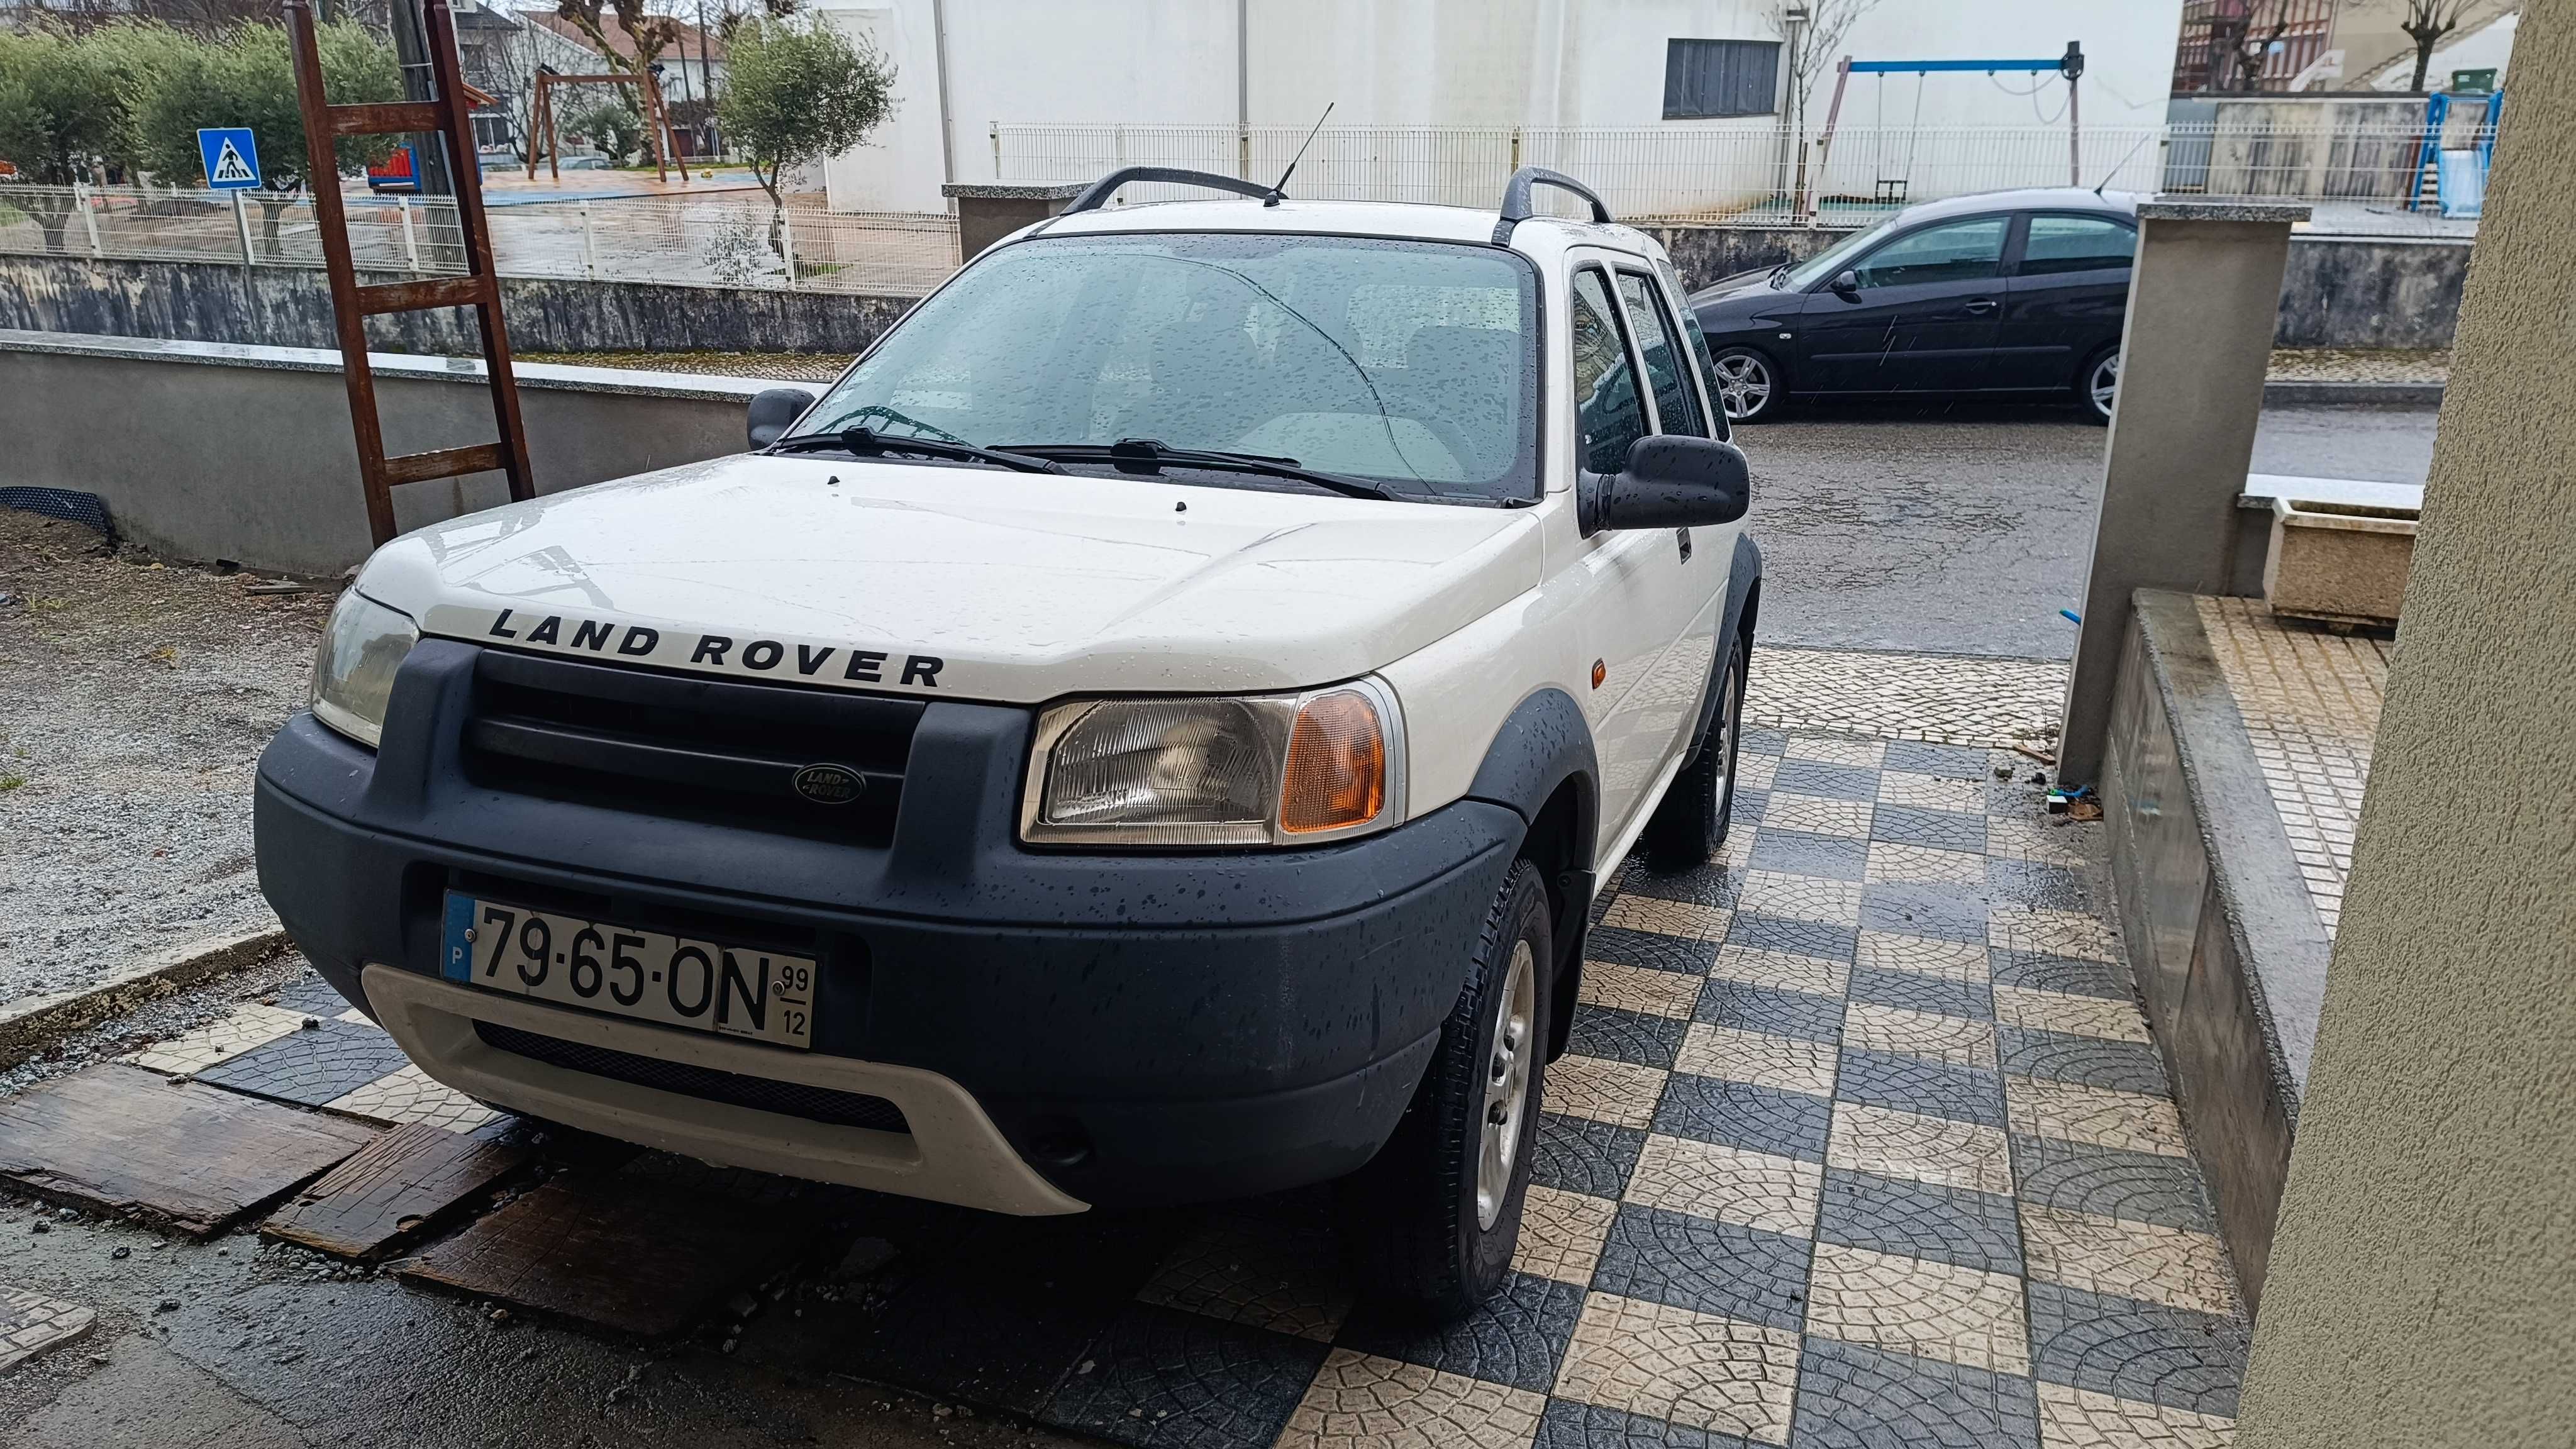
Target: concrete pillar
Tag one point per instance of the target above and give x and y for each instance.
(2203, 302)
(988, 212)
(2423, 1277)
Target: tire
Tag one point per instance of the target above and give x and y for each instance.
(1689, 824)
(2097, 386)
(1433, 1219)
(1747, 384)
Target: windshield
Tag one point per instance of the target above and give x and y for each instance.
(1834, 258)
(1408, 364)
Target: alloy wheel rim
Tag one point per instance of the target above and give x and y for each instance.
(1727, 710)
(2106, 383)
(1743, 385)
(1507, 1075)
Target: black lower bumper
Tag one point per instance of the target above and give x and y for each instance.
(1145, 1028)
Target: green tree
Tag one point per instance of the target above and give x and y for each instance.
(248, 79)
(798, 91)
(613, 125)
(61, 115)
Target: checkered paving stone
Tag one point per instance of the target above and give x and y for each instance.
(1862, 1140)
(31, 1323)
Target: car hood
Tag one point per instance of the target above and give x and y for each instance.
(1744, 291)
(957, 581)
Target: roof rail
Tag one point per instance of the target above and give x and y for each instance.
(1097, 194)
(1516, 199)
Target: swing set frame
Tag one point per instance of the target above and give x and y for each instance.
(2070, 65)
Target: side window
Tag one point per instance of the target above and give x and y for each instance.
(1703, 361)
(2076, 244)
(1676, 401)
(1608, 416)
(1962, 251)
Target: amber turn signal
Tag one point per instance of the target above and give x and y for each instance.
(1336, 772)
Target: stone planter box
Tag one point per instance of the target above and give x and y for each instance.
(2341, 563)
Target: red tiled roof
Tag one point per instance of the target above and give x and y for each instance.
(687, 45)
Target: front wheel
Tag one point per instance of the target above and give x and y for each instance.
(1689, 824)
(2099, 385)
(1748, 385)
(1434, 1217)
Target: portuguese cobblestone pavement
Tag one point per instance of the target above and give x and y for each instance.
(1861, 1140)
(1937, 698)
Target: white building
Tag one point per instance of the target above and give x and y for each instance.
(966, 67)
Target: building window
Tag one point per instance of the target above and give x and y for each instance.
(1720, 78)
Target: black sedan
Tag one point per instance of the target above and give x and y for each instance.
(2012, 293)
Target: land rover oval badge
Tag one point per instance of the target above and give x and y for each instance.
(830, 784)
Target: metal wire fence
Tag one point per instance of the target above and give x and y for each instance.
(672, 240)
(1757, 175)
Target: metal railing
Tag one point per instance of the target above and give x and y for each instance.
(1759, 174)
(683, 241)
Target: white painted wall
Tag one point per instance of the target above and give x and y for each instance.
(1590, 63)
(2488, 45)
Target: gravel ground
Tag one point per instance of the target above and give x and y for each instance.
(789, 366)
(134, 700)
(2301, 364)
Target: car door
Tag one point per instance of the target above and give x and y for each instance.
(1691, 595)
(1632, 577)
(2067, 297)
(1921, 319)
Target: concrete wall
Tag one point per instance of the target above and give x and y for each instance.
(245, 453)
(2423, 1277)
(2339, 292)
(291, 307)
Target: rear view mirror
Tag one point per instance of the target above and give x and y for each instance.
(1846, 283)
(1673, 482)
(776, 410)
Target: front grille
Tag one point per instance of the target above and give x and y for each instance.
(690, 747)
(788, 1099)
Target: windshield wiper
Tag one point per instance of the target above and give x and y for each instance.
(1145, 455)
(864, 443)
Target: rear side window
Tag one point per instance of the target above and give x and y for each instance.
(1676, 402)
(2076, 244)
(1608, 417)
(1961, 251)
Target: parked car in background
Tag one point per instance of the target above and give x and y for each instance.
(2010, 293)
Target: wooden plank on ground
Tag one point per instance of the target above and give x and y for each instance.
(401, 1186)
(193, 1158)
(629, 1253)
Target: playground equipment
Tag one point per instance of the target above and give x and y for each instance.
(2070, 65)
(657, 122)
(2458, 176)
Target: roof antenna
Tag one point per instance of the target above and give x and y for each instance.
(2116, 165)
(1277, 192)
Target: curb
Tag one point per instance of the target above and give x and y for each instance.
(2305, 393)
(30, 1023)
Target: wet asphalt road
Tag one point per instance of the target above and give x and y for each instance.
(1965, 530)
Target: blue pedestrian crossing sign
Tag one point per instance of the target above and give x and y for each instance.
(231, 156)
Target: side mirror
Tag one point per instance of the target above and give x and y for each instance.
(776, 410)
(1675, 482)
(1846, 283)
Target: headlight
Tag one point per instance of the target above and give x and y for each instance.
(353, 675)
(1282, 769)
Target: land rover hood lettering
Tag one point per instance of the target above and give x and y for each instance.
(723, 653)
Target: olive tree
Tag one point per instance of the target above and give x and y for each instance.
(248, 79)
(798, 91)
(61, 115)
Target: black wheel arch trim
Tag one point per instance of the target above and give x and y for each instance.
(1543, 745)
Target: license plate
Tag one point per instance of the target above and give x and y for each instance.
(671, 980)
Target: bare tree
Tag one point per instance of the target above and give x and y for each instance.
(2251, 44)
(2426, 22)
(1827, 23)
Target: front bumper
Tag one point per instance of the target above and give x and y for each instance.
(1125, 1029)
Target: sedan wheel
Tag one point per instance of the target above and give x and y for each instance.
(2102, 385)
(1744, 384)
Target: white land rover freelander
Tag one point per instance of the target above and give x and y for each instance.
(1151, 731)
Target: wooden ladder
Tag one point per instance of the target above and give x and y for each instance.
(449, 118)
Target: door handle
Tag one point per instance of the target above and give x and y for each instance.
(1978, 306)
